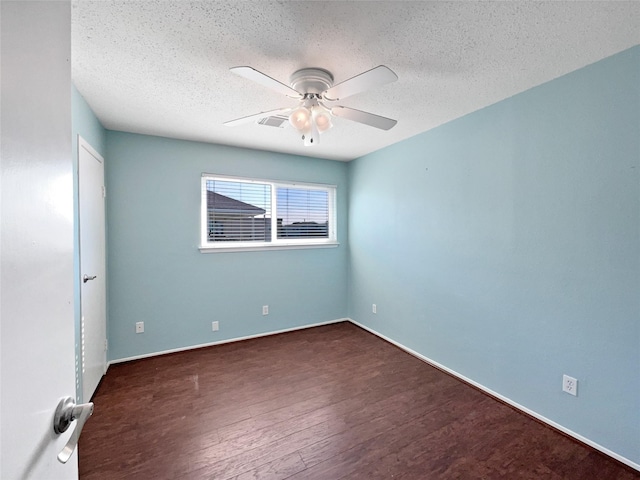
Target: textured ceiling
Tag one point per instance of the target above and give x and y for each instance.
(162, 67)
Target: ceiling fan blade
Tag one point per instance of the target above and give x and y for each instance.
(379, 75)
(266, 81)
(367, 118)
(257, 116)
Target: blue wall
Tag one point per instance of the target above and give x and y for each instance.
(85, 124)
(505, 245)
(157, 274)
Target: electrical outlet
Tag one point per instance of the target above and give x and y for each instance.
(139, 327)
(215, 326)
(374, 309)
(570, 385)
(265, 309)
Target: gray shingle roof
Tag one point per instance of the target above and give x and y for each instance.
(222, 204)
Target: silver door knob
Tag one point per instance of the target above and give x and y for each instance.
(86, 278)
(66, 412)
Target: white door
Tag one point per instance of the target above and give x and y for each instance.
(93, 338)
(36, 238)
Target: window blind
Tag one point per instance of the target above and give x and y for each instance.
(238, 211)
(302, 213)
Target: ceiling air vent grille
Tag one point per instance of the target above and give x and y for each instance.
(274, 121)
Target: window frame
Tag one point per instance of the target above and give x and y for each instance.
(275, 243)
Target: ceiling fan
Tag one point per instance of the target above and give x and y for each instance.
(315, 91)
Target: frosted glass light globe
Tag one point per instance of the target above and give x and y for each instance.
(322, 119)
(299, 118)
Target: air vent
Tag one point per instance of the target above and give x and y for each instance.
(274, 121)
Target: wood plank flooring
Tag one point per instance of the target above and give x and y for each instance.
(324, 403)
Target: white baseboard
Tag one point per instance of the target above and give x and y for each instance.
(516, 405)
(221, 342)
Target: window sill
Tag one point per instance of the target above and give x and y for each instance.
(261, 248)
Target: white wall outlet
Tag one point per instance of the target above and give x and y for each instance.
(374, 309)
(265, 309)
(570, 385)
(215, 326)
(139, 327)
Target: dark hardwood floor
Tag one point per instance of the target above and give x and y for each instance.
(324, 403)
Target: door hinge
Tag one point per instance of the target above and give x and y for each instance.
(106, 345)
(104, 192)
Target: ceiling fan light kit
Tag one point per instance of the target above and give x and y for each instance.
(313, 87)
(311, 111)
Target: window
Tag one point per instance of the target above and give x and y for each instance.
(251, 214)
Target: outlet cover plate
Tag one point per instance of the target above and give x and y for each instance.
(570, 385)
(265, 309)
(215, 326)
(139, 327)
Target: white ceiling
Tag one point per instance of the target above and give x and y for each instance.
(162, 67)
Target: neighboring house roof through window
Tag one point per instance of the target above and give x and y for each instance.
(231, 206)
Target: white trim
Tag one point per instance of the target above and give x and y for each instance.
(82, 143)
(507, 400)
(229, 178)
(290, 246)
(229, 340)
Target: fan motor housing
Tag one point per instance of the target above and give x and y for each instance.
(311, 80)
